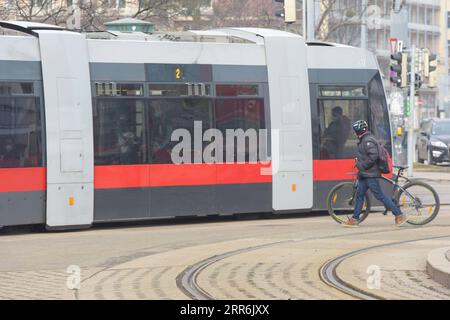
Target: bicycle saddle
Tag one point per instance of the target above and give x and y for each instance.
(401, 167)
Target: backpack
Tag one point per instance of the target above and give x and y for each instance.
(384, 159)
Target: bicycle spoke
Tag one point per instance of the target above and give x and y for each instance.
(419, 202)
(341, 203)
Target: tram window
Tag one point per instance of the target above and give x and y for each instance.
(245, 114)
(379, 112)
(119, 133)
(20, 133)
(235, 90)
(118, 89)
(337, 140)
(329, 91)
(179, 90)
(165, 116)
(16, 88)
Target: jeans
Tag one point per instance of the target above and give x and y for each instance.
(373, 184)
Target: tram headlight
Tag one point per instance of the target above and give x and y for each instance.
(439, 144)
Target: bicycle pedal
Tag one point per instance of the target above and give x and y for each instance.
(385, 213)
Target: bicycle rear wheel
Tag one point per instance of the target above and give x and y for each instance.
(420, 203)
(341, 203)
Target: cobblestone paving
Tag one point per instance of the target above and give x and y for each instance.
(403, 275)
(144, 263)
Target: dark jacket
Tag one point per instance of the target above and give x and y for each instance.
(368, 156)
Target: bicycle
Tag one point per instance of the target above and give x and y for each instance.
(417, 199)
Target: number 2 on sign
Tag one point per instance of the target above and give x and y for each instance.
(178, 73)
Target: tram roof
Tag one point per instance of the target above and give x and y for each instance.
(321, 55)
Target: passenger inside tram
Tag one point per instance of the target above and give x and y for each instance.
(9, 155)
(336, 134)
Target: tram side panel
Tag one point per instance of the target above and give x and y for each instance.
(135, 177)
(338, 98)
(291, 140)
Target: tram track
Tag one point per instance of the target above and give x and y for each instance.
(329, 275)
(187, 280)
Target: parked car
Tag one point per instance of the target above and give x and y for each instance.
(433, 141)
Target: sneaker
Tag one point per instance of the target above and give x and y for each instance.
(350, 223)
(401, 220)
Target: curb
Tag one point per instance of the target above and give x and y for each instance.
(438, 266)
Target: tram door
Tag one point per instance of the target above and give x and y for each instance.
(291, 140)
(68, 118)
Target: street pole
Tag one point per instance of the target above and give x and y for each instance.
(364, 24)
(445, 99)
(411, 142)
(310, 20)
(305, 35)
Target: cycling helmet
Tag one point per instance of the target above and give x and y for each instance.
(360, 127)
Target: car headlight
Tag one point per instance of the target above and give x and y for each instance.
(438, 144)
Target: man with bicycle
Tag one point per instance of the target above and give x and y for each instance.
(368, 175)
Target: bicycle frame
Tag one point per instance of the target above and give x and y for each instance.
(395, 183)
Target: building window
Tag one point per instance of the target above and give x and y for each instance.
(448, 46)
(118, 4)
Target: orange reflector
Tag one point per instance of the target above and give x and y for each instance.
(403, 200)
(294, 187)
(71, 201)
(430, 210)
(334, 198)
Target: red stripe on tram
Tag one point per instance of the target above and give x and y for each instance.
(159, 175)
(23, 179)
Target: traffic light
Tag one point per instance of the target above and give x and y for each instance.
(429, 60)
(289, 11)
(430, 65)
(400, 70)
(418, 82)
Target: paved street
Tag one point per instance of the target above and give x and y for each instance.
(203, 150)
(251, 259)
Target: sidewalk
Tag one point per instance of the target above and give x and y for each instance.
(438, 266)
(431, 175)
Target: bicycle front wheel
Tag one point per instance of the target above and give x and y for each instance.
(419, 201)
(341, 203)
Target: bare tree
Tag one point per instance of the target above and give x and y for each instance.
(5, 11)
(159, 12)
(45, 11)
(340, 21)
(94, 14)
(245, 13)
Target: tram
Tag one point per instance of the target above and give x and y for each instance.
(87, 123)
